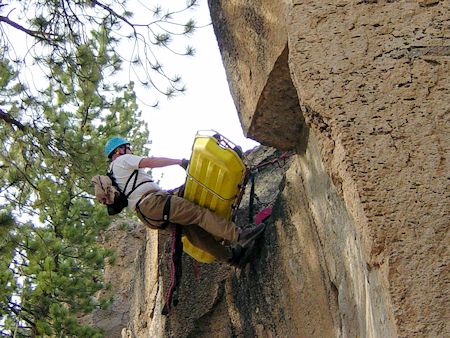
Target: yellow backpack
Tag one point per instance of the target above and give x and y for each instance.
(214, 180)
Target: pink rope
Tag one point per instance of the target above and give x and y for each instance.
(172, 269)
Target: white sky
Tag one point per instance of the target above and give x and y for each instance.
(207, 104)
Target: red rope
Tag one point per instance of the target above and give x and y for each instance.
(172, 270)
(277, 160)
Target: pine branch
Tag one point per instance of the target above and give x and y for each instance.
(8, 119)
(17, 309)
(35, 34)
(29, 180)
(113, 13)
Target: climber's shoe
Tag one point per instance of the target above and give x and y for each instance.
(248, 235)
(237, 253)
(241, 255)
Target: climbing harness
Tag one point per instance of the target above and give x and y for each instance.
(165, 216)
(166, 211)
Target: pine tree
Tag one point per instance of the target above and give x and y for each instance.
(52, 136)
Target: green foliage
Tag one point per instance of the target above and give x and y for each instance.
(52, 134)
(6, 73)
(57, 261)
(51, 261)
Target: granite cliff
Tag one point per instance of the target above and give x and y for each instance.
(357, 245)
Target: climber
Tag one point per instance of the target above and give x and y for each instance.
(157, 208)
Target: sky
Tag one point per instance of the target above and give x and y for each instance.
(206, 105)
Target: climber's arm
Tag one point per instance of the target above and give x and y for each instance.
(158, 162)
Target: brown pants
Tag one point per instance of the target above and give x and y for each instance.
(200, 223)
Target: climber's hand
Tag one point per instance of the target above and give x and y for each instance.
(184, 163)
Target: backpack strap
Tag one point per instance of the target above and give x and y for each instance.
(134, 187)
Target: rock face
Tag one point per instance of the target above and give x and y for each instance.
(370, 80)
(358, 243)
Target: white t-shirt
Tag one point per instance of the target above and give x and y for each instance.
(122, 168)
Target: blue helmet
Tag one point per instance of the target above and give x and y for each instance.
(113, 143)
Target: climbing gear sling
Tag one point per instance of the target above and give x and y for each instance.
(250, 176)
